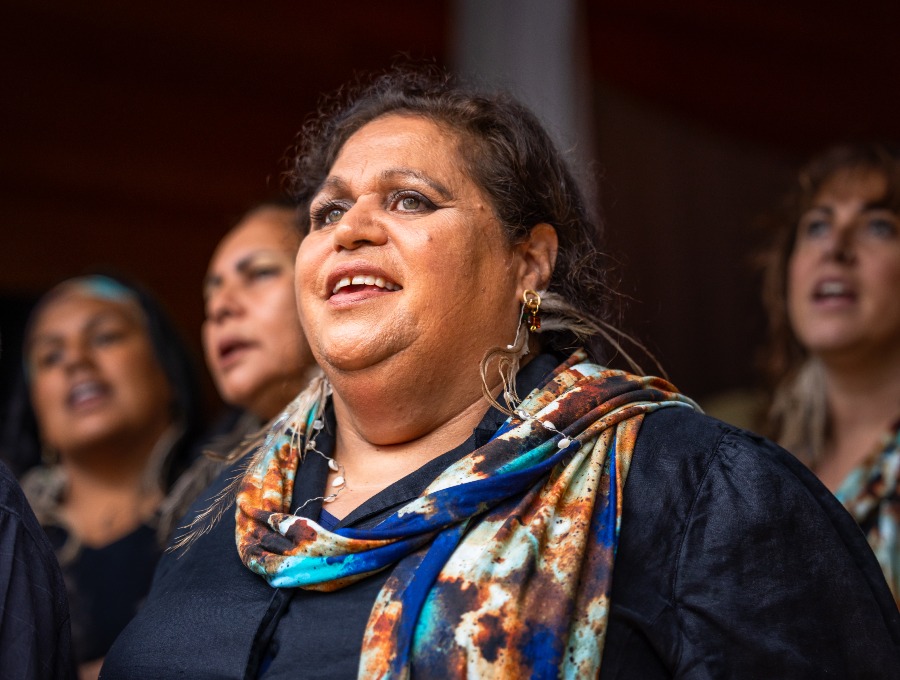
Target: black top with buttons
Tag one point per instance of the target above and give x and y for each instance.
(733, 562)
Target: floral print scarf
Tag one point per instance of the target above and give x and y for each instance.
(503, 566)
(871, 493)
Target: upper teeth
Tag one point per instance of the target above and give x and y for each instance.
(85, 390)
(361, 280)
(832, 288)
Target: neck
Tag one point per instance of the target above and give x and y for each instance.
(863, 402)
(391, 405)
(387, 432)
(863, 395)
(107, 490)
(273, 403)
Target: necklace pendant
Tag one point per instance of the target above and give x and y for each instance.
(332, 465)
(338, 481)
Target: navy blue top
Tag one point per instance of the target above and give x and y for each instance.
(733, 561)
(35, 642)
(106, 586)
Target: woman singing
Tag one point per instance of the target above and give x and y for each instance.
(469, 492)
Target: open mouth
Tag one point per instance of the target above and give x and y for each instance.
(361, 282)
(833, 290)
(86, 393)
(232, 348)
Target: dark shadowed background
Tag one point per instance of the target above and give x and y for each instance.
(134, 134)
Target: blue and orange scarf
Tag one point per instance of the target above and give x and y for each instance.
(503, 566)
(871, 493)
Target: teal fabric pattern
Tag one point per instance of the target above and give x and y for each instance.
(871, 493)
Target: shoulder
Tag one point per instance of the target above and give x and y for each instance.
(731, 550)
(693, 471)
(33, 604)
(18, 516)
(682, 451)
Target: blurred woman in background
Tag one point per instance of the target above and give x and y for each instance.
(110, 400)
(833, 297)
(252, 339)
(255, 349)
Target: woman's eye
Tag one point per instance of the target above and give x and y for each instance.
(264, 272)
(107, 337)
(326, 214)
(412, 202)
(814, 227)
(48, 359)
(333, 215)
(882, 227)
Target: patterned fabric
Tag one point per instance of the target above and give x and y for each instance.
(871, 493)
(503, 566)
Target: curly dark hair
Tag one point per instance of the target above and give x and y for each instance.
(509, 155)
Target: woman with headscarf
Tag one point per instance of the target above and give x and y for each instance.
(110, 400)
(468, 492)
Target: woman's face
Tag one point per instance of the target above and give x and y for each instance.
(406, 259)
(94, 375)
(254, 346)
(844, 272)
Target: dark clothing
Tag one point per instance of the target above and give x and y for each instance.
(34, 615)
(106, 587)
(734, 561)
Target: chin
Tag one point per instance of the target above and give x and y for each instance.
(359, 351)
(357, 357)
(834, 346)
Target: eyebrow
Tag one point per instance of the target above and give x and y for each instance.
(881, 204)
(96, 320)
(242, 266)
(338, 185)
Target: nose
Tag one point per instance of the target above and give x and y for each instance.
(77, 354)
(841, 245)
(223, 302)
(359, 226)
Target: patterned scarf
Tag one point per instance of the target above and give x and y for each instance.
(503, 566)
(871, 493)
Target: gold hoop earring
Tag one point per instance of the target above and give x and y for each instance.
(531, 313)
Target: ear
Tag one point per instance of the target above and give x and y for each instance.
(537, 257)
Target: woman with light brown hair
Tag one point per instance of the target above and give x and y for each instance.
(833, 297)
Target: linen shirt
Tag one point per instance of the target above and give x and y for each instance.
(733, 562)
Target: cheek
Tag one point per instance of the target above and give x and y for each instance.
(138, 374)
(46, 399)
(886, 273)
(884, 281)
(208, 340)
(795, 279)
(308, 271)
(276, 312)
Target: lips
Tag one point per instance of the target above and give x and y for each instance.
(230, 350)
(837, 290)
(361, 281)
(356, 282)
(86, 394)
